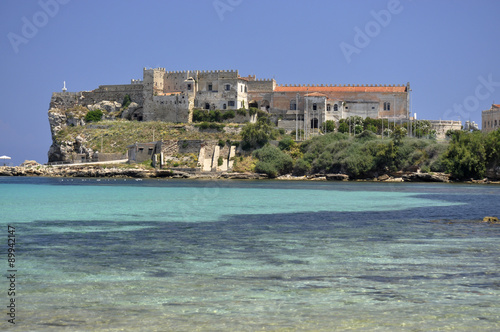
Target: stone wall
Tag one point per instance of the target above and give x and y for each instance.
(491, 119)
(114, 93)
(442, 126)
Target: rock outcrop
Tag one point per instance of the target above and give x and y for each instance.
(426, 177)
(67, 112)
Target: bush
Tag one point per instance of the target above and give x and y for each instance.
(301, 167)
(206, 125)
(94, 116)
(255, 135)
(253, 110)
(220, 161)
(286, 144)
(228, 115)
(241, 111)
(329, 126)
(126, 101)
(466, 155)
(272, 161)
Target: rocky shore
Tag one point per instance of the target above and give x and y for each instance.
(98, 171)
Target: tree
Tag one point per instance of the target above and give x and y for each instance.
(329, 126)
(272, 161)
(257, 134)
(466, 155)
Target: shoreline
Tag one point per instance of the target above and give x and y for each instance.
(109, 171)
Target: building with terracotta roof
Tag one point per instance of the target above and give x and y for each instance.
(491, 118)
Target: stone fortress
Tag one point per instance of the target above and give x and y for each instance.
(171, 96)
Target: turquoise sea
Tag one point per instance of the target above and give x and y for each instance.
(184, 255)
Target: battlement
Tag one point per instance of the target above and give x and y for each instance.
(201, 71)
(138, 81)
(341, 85)
(154, 69)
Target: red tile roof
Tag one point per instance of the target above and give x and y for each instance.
(340, 89)
(496, 105)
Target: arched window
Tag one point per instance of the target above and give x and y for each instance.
(293, 105)
(335, 108)
(328, 108)
(315, 107)
(388, 106)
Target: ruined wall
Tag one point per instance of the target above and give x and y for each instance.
(113, 93)
(442, 126)
(65, 100)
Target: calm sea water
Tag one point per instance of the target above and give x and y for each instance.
(126, 255)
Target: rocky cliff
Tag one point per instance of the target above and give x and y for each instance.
(68, 110)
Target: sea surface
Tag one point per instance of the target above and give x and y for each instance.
(184, 255)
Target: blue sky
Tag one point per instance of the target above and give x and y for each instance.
(447, 50)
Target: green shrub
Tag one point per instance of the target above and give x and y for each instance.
(286, 144)
(255, 135)
(93, 116)
(253, 110)
(220, 161)
(222, 143)
(329, 126)
(126, 101)
(228, 115)
(301, 167)
(466, 155)
(241, 111)
(272, 161)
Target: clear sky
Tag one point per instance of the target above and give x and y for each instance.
(447, 49)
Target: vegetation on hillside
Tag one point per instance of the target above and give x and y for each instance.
(374, 147)
(116, 135)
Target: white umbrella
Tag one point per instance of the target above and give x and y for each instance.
(5, 158)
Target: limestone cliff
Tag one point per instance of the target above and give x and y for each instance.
(68, 110)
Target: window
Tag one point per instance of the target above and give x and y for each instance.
(189, 87)
(293, 105)
(335, 108)
(230, 103)
(387, 106)
(224, 106)
(227, 87)
(315, 107)
(328, 108)
(207, 106)
(210, 87)
(495, 123)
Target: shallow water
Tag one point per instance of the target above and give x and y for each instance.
(251, 255)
